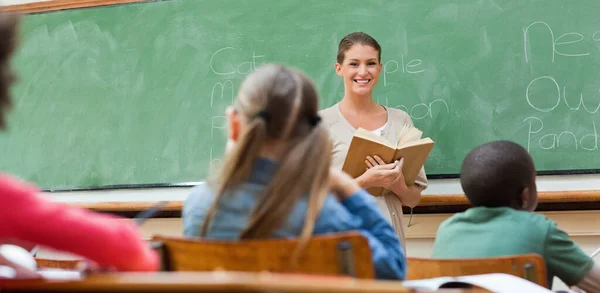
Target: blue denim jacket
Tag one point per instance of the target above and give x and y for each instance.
(359, 212)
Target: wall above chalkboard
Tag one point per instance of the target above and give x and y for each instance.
(134, 94)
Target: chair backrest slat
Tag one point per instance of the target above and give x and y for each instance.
(333, 254)
(528, 266)
(57, 263)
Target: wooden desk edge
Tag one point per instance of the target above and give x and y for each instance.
(211, 281)
(128, 206)
(46, 6)
(429, 200)
(544, 197)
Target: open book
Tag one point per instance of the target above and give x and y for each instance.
(500, 283)
(410, 146)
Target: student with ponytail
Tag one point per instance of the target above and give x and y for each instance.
(276, 179)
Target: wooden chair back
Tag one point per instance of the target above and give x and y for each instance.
(57, 264)
(333, 254)
(528, 266)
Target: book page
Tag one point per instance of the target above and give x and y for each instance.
(416, 142)
(428, 284)
(414, 154)
(503, 283)
(407, 134)
(369, 135)
(499, 283)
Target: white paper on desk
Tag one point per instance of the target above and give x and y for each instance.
(500, 283)
(63, 275)
(595, 253)
(429, 284)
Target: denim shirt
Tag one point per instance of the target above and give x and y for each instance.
(358, 212)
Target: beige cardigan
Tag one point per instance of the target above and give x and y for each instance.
(341, 134)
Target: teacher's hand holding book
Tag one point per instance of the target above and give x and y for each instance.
(384, 158)
(380, 174)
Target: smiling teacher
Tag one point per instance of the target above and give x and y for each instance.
(359, 64)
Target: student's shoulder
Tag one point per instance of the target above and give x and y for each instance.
(11, 187)
(203, 194)
(200, 193)
(333, 217)
(452, 220)
(537, 225)
(534, 219)
(359, 199)
(331, 204)
(332, 207)
(201, 189)
(547, 228)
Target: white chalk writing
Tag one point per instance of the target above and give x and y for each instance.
(421, 110)
(410, 67)
(225, 63)
(549, 141)
(555, 99)
(230, 68)
(555, 43)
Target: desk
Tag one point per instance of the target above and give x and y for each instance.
(430, 204)
(213, 282)
(576, 200)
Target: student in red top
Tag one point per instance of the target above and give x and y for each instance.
(28, 217)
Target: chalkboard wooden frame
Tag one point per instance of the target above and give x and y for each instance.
(56, 5)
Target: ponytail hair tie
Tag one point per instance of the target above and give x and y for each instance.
(264, 115)
(314, 120)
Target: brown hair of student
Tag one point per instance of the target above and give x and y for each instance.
(281, 107)
(353, 39)
(8, 42)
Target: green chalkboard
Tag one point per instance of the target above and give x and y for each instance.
(135, 93)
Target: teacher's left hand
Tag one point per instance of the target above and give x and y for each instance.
(398, 180)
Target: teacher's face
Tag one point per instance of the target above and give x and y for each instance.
(360, 69)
